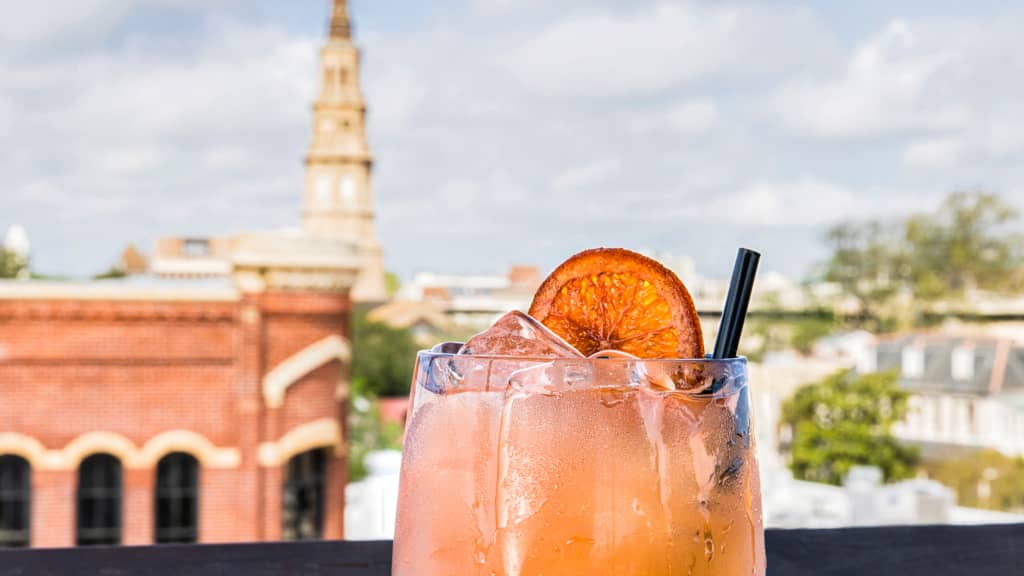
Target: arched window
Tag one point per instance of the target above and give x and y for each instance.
(99, 501)
(15, 502)
(177, 499)
(302, 513)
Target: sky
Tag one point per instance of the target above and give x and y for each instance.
(508, 131)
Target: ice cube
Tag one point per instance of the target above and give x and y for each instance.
(447, 348)
(692, 377)
(615, 369)
(489, 359)
(516, 334)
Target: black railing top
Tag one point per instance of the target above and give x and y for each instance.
(896, 551)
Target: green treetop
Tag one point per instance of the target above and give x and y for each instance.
(11, 265)
(382, 358)
(969, 242)
(844, 421)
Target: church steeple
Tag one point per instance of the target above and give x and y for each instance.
(339, 199)
(341, 26)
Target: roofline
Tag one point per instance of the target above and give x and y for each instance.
(936, 335)
(98, 291)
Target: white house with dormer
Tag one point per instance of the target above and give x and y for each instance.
(966, 391)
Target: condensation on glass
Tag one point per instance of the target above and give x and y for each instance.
(516, 465)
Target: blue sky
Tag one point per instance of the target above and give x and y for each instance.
(508, 131)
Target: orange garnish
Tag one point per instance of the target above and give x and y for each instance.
(614, 299)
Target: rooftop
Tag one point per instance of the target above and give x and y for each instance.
(966, 364)
(130, 288)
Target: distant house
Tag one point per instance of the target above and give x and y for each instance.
(472, 302)
(425, 320)
(967, 392)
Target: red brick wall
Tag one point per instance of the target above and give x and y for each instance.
(55, 403)
(53, 508)
(137, 369)
(311, 398)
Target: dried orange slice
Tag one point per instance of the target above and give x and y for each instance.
(614, 299)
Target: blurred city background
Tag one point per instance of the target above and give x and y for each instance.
(231, 224)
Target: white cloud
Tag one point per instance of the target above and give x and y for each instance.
(226, 157)
(61, 200)
(1005, 134)
(116, 161)
(509, 126)
(459, 195)
(6, 114)
(496, 5)
(806, 201)
(686, 117)
(657, 47)
(138, 135)
(934, 153)
(810, 201)
(891, 83)
(244, 74)
(34, 22)
(586, 175)
(396, 94)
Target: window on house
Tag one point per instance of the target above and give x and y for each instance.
(867, 360)
(962, 363)
(15, 502)
(302, 513)
(196, 247)
(913, 362)
(177, 499)
(99, 501)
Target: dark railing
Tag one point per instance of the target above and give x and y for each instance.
(905, 551)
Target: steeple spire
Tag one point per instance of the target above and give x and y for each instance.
(338, 200)
(341, 27)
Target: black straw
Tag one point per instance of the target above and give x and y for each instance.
(735, 312)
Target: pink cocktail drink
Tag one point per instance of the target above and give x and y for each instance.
(561, 466)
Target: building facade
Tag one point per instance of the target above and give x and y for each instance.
(205, 400)
(175, 411)
(966, 391)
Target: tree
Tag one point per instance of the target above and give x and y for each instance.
(11, 265)
(965, 244)
(112, 273)
(844, 421)
(393, 283)
(808, 330)
(866, 263)
(366, 433)
(984, 479)
(382, 357)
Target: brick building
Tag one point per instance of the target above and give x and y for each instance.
(203, 401)
(229, 396)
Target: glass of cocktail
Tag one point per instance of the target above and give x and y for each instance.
(530, 453)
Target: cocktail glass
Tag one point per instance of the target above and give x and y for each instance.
(519, 466)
